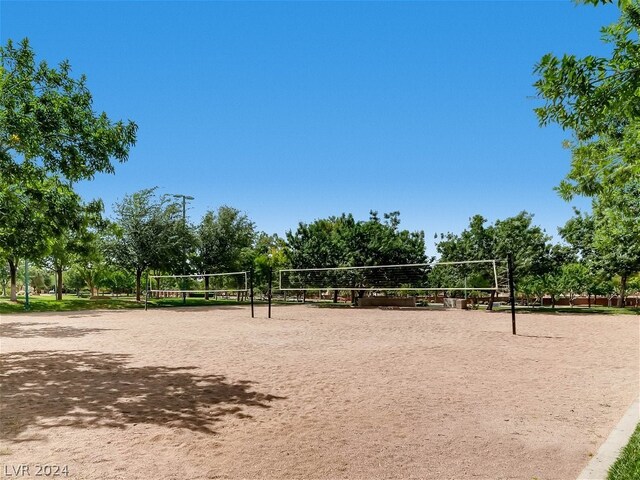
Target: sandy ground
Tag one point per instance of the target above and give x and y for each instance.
(312, 393)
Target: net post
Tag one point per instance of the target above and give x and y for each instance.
(251, 289)
(512, 293)
(269, 292)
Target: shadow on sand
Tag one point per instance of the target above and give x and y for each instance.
(50, 389)
(26, 330)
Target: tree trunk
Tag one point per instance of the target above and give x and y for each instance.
(206, 287)
(589, 299)
(138, 278)
(58, 282)
(335, 296)
(623, 290)
(491, 300)
(13, 271)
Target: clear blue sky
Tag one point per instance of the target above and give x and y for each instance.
(296, 111)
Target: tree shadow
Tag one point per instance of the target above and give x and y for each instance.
(538, 336)
(50, 389)
(25, 330)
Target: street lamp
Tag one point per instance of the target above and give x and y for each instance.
(184, 248)
(270, 280)
(26, 284)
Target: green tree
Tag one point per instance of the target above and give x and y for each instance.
(595, 98)
(117, 280)
(574, 280)
(532, 286)
(148, 233)
(224, 237)
(608, 239)
(47, 121)
(616, 240)
(268, 253)
(381, 242)
(345, 242)
(4, 276)
(74, 280)
(78, 243)
(33, 213)
(531, 247)
(49, 137)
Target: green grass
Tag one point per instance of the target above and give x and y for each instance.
(627, 466)
(576, 310)
(70, 303)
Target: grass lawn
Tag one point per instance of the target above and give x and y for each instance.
(576, 310)
(69, 303)
(627, 466)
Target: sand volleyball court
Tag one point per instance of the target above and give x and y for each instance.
(312, 393)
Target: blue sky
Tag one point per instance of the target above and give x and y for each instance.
(296, 111)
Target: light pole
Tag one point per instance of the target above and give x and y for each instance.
(26, 284)
(184, 247)
(270, 280)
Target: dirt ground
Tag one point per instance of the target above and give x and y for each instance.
(311, 393)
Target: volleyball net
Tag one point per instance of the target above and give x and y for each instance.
(210, 283)
(464, 276)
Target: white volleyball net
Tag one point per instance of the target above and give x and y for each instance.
(211, 283)
(464, 276)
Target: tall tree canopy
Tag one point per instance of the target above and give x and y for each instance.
(530, 245)
(344, 241)
(148, 233)
(596, 98)
(224, 239)
(47, 122)
(49, 137)
(33, 213)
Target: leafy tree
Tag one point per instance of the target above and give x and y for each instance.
(116, 280)
(377, 242)
(224, 237)
(78, 243)
(268, 253)
(47, 122)
(33, 213)
(578, 232)
(49, 137)
(532, 286)
(616, 214)
(530, 246)
(633, 286)
(317, 244)
(574, 280)
(148, 233)
(608, 239)
(74, 280)
(552, 285)
(343, 241)
(5, 277)
(596, 99)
